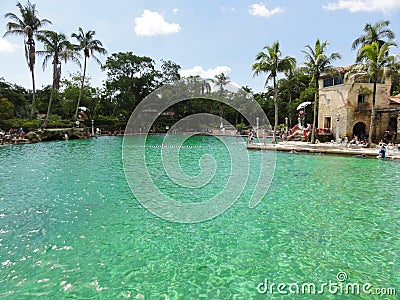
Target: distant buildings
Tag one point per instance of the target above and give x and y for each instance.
(345, 108)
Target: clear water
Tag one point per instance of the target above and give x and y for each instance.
(70, 227)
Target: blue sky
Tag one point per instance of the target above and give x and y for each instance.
(204, 37)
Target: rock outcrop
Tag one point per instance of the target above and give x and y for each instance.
(57, 134)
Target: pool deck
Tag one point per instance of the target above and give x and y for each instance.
(326, 148)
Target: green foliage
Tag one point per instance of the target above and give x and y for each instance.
(42, 99)
(395, 89)
(17, 95)
(130, 78)
(241, 126)
(364, 90)
(110, 123)
(26, 124)
(65, 102)
(56, 122)
(170, 72)
(6, 109)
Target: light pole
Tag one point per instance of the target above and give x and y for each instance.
(92, 127)
(337, 128)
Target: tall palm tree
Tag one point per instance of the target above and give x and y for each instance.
(317, 63)
(270, 62)
(27, 25)
(377, 32)
(293, 84)
(89, 46)
(376, 65)
(57, 48)
(205, 87)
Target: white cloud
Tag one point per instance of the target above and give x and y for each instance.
(210, 73)
(228, 8)
(259, 9)
(175, 10)
(385, 6)
(6, 46)
(152, 23)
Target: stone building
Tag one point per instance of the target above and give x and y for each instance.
(345, 108)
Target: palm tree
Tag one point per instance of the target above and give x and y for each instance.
(317, 63)
(293, 84)
(220, 80)
(28, 26)
(271, 62)
(57, 48)
(377, 65)
(377, 32)
(205, 87)
(89, 46)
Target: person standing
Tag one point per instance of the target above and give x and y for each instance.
(265, 137)
(382, 151)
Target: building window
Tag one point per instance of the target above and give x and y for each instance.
(361, 98)
(328, 101)
(327, 122)
(333, 81)
(338, 80)
(328, 82)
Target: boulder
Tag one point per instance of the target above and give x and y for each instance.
(33, 137)
(56, 134)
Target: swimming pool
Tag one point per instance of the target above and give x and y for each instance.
(71, 227)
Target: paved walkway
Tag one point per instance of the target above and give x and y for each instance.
(392, 153)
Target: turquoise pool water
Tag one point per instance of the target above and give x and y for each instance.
(70, 226)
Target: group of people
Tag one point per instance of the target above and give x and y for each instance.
(383, 148)
(253, 134)
(13, 134)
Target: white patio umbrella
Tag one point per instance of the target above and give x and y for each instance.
(303, 105)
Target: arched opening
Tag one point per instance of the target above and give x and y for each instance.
(359, 130)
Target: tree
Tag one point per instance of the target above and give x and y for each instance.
(57, 48)
(6, 109)
(89, 46)
(18, 95)
(130, 78)
(271, 62)
(377, 32)
(170, 72)
(374, 65)
(28, 26)
(317, 63)
(69, 92)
